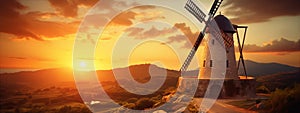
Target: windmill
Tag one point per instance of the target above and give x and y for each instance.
(224, 35)
(227, 30)
(200, 15)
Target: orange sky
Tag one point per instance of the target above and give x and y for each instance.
(40, 34)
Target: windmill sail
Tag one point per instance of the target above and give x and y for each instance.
(196, 11)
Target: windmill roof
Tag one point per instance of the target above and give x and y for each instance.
(224, 24)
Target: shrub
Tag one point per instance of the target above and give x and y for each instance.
(262, 89)
(284, 101)
(132, 100)
(65, 109)
(129, 105)
(144, 103)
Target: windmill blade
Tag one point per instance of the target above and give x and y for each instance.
(192, 53)
(214, 8)
(196, 11)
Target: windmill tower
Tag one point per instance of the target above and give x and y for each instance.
(227, 31)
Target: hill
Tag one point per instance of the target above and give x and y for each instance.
(257, 69)
(140, 73)
(46, 77)
(54, 89)
(279, 80)
(40, 78)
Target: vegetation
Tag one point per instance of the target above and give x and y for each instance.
(269, 83)
(246, 104)
(191, 108)
(144, 103)
(283, 91)
(262, 89)
(35, 91)
(284, 101)
(17, 97)
(46, 100)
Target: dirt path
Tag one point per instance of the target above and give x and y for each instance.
(220, 106)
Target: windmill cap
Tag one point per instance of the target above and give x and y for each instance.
(224, 24)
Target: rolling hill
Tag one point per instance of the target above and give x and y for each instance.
(42, 78)
(257, 69)
(279, 80)
(140, 73)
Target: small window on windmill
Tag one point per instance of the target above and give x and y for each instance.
(211, 63)
(227, 63)
(213, 42)
(204, 63)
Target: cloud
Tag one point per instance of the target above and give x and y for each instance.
(99, 16)
(187, 31)
(192, 36)
(179, 39)
(134, 31)
(125, 18)
(41, 26)
(31, 58)
(69, 8)
(29, 25)
(18, 58)
(140, 13)
(153, 32)
(188, 37)
(254, 11)
(281, 45)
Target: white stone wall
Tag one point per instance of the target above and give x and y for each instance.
(206, 62)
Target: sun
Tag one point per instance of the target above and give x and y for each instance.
(82, 64)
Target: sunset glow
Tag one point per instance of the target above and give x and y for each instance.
(160, 56)
(49, 43)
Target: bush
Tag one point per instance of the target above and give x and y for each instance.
(129, 105)
(262, 89)
(132, 100)
(170, 90)
(192, 108)
(144, 103)
(284, 101)
(65, 109)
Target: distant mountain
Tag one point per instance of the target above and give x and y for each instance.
(140, 73)
(46, 77)
(38, 78)
(257, 69)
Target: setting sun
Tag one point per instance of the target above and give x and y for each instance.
(82, 64)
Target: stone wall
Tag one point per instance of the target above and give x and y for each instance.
(243, 88)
